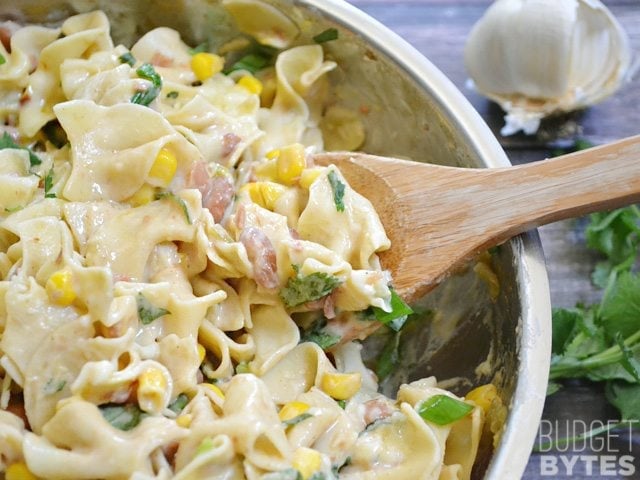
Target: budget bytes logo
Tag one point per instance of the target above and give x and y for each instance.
(609, 453)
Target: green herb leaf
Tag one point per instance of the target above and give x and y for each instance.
(626, 398)
(396, 318)
(553, 387)
(628, 361)
(206, 445)
(620, 307)
(7, 142)
(48, 185)
(147, 312)
(174, 198)
(179, 403)
(296, 420)
(147, 96)
(326, 36)
(54, 386)
(338, 190)
(172, 94)
(306, 288)
(127, 58)
(389, 358)
(443, 410)
(342, 404)
(203, 47)
(2, 60)
(288, 474)
(123, 417)
(564, 322)
(251, 63)
(318, 335)
(13, 209)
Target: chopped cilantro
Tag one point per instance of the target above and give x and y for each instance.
(338, 190)
(48, 185)
(326, 36)
(318, 335)
(396, 318)
(206, 445)
(203, 47)
(252, 63)
(147, 96)
(172, 94)
(342, 404)
(127, 58)
(7, 142)
(306, 288)
(53, 386)
(147, 312)
(443, 409)
(389, 358)
(296, 420)
(13, 209)
(2, 60)
(181, 203)
(179, 403)
(123, 417)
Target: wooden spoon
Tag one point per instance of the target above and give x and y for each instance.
(440, 217)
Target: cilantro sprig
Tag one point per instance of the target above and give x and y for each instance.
(328, 35)
(338, 190)
(147, 311)
(307, 288)
(147, 72)
(124, 417)
(443, 409)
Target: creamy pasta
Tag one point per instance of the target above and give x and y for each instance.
(183, 292)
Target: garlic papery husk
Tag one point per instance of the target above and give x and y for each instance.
(539, 57)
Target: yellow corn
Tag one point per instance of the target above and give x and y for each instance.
(202, 352)
(60, 287)
(145, 194)
(267, 170)
(206, 65)
(164, 167)
(291, 163)
(152, 386)
(215, 389)
(264, 194)
(18, 471)
(307, 461)
(184, 420)
(309, 175)
(269, 88)
(251, 83)
(341, 386)
(273, 154)
(292, 410)
(483, 396)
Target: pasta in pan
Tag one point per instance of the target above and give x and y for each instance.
(183, 292)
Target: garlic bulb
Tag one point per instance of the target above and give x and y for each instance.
(538, 57)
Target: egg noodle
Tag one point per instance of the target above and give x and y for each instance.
(183, 292)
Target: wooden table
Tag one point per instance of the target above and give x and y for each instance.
(438, 29)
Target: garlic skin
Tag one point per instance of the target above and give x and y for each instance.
(539, 57)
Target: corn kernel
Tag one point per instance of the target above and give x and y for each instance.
(184, 420)
(307, 461)
(60, 287)
(267, 170)
(483, 396)
(269, 89)
(145, 194)
(215, 389)
(264, 194)
(292, 410)
(152, 387)
(251, 83)
(273, 154)
(164, 167)
(206, 65)
(291, 163)
(341, 386)
(202, 352)
(19, 471)
(309, 175)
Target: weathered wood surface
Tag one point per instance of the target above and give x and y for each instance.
(438, 29)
